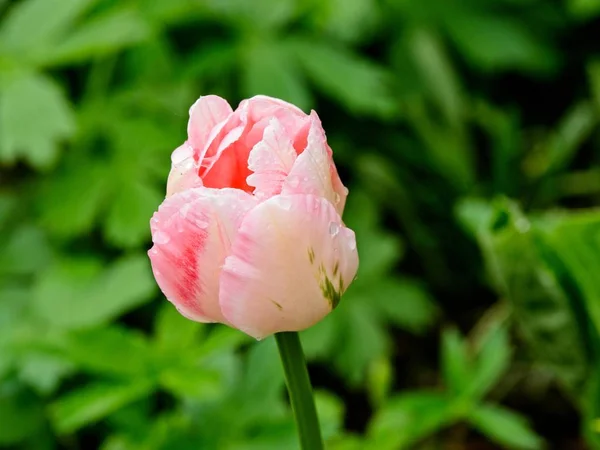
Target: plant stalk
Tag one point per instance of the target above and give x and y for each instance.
(300, 390)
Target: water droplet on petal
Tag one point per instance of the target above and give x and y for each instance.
(336, 198)
(334, 228)
(294, 182)
(285, 203)
(183, 212)
(201, 223)
(352, 245)
(161, 238)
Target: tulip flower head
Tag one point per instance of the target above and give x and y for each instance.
(250, 233)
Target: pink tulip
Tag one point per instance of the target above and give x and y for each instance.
(250, 234)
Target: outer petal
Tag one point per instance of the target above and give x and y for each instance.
(290, 262)
(312, 172)
(205, 114)
(184, 170)
(192, 233)
(271, 160)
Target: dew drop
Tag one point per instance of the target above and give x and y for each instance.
(161, 238)
(336, 198)
(334, 228)
(352, 245)
(183, 212)
(285, 203)
(200, 223)
(294, 182)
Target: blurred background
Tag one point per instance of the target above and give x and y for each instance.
(467, 132)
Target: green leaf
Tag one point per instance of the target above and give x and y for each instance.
(70, 203)
(493, 359)
(127, 221)
(34, 118)
(505, 427)
(584, 9)
(93, 402)
(408, 418)
(438, 74)
(501, 43)
(192, 382)
(105, 34)
(21, 414)
(173, 332)
(575, 239)
(330, 411)
(405, 303)
(43, 371)
(259, 15)
(457, 365)
(268, 69)
(32, 24)
(79, 293)
(366, 86)
(111, 351)
(27, 251)
(347, 20)
(548, 315)
(574, 129)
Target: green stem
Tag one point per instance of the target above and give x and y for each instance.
(300, 390)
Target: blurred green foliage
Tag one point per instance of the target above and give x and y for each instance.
(467, 131)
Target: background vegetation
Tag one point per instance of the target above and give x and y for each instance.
(467, 131)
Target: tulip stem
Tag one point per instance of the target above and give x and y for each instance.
(300, 390)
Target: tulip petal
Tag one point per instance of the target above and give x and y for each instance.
(271, 160)
(313, 171)
(184, 170)
(205, 114)
(288, 266)
(192, 234)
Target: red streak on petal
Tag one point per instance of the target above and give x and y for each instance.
(189, 288)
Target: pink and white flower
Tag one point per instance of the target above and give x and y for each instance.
(250, 234)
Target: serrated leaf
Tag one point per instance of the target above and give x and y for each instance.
(80, 294)
(34, 118)
(366, 86)
(92, 403)
(505, 427)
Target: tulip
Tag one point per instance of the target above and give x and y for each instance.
(250, 234)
